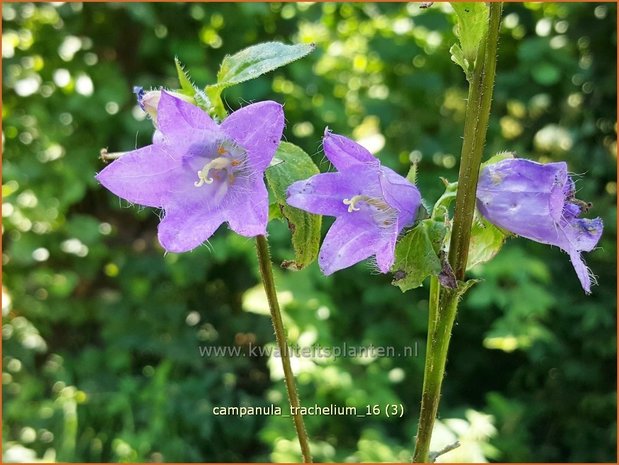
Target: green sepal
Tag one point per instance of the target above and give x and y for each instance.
(417, 254)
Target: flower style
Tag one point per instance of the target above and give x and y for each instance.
(371, 203)
(200, 173)
(537, 201)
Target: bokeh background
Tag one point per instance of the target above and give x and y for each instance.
(101, 330)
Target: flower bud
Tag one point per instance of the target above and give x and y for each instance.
(149, 100)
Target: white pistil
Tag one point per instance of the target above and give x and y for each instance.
(378, 204)
(218, 163)
(351, 203)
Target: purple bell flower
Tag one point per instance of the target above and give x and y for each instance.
(200, 173)
(371, 203)
(537, 201)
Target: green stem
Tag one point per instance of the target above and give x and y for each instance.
(443, 309)
(434, 370)
(433, 301)
(266, 271)
(475, 128)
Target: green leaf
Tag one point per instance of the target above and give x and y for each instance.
(294, 165)
(486, 241)
(457, 56)
(417, 254)
(412, 174)
(251, 63)
(257, 60)
(187, 88)
(472, 27)
(440, 211)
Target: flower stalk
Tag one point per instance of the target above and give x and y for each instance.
(444, 308)
(266, 272)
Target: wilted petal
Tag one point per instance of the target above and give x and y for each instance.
(144, 176)
(347, 242)
(258, 129)
(324, 194)
(344, 153)
(248, 210)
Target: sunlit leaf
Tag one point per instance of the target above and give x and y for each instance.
(187, 88)
(457, 56)
(257, 60)
(472, 26)
(251, 63)
(294, 165)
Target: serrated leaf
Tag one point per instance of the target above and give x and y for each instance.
(417, 254)
(187, 88)
(257, 60)
(472, 26)
(412, 174)
(486, 241)
(295, 165)
(251, 63)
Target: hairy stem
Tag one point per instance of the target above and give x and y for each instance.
(266, 271)
(475, 128)
(444, 308)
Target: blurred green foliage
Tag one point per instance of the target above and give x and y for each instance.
(101, 330)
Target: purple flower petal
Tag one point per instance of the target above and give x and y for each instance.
(582, 271)
(201, 174)
(324, 194)
(139, 175)
(401, 195)
(372, 204)
(344, 153)
(255, 209)
(581, 234)
(526, 189)
(257, 128)
(536, 201)
(182, 230)
(347, 242)
(178, 120)
(385, 254)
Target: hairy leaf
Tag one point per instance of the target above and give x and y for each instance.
(251, 63)
(417, 254)
(486, 241)
(294, 165)
(187, 88)
(471, 28)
